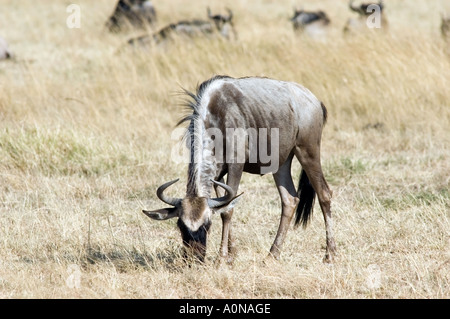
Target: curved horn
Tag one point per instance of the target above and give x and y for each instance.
(221, 201)
(350, 5)
(168, 200)
(296, 13)
(208, 10)
(230, 14)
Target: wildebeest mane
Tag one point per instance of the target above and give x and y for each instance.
(193, 102)
(199, 169)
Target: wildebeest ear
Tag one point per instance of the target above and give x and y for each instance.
(162, 214)
(227, 207)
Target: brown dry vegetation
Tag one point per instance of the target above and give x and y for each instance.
(85, 139)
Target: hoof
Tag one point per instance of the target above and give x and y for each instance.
(330, 258)
(224, 260)
(271, 259)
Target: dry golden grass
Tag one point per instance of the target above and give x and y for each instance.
(85, 139)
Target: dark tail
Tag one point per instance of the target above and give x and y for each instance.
(305, 191)
(307, 196)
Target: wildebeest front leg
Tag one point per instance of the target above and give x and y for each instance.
(289, 202)
(227, 250)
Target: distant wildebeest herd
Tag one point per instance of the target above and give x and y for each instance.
(313, 23)
(141, 14)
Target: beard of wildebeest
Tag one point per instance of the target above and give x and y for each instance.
(194, 241)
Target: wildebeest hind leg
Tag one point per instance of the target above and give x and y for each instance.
(289, 202)
(309, 157)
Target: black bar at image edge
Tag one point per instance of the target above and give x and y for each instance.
(214, 308)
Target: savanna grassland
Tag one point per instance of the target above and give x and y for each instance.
(85, 140)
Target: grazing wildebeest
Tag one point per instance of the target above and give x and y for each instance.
(445, 27)
(5, 53)
(264, 113)
(370, 16)
(312, 23)
(134, 13)
(221, 24)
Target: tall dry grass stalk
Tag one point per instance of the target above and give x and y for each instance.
(85, 139)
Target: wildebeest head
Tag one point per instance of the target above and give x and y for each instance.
(194, 215)
(223, 23)
(362, 9)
